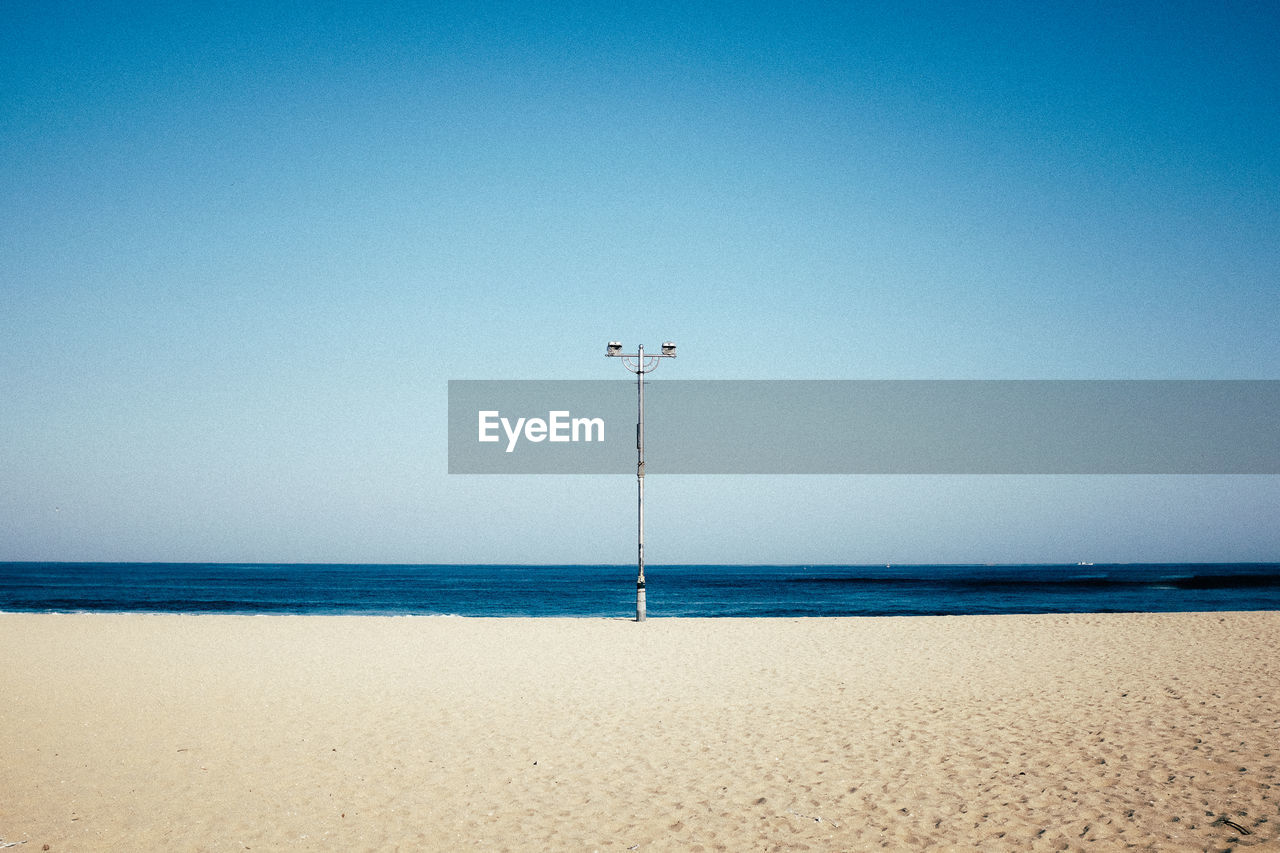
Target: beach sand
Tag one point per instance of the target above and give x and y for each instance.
(1077, 732)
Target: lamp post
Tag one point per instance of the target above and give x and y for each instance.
(640, 364)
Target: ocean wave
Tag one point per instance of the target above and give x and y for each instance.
(1225, 581)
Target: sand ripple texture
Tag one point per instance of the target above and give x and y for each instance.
(224, 733)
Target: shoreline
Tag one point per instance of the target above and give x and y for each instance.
(817, 617)
(310, 731)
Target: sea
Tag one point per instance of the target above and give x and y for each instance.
(610, 590)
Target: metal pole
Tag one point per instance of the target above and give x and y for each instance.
(640, 605)
(640, 368)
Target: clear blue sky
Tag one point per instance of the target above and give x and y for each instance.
(244, 246)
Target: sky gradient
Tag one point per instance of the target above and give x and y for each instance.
(243, 248)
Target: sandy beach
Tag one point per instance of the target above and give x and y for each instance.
(1079, 732)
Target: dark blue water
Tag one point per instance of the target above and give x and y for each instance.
(610, 590)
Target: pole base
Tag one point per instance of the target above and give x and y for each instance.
(640, 614)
